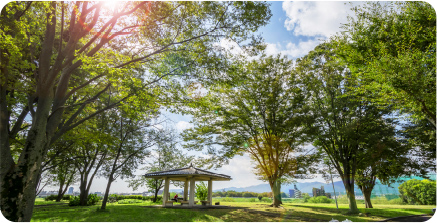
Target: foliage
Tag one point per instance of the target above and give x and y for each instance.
(117, 197)
(319, 199)
(252, 200)
(92, 200)
(74, 201)
(392, 47)
(54, 196)
(201, 191)
(232, 193)
(130, 201)
(305, 197)
(266, 199)
(421, 192)
(260, 197)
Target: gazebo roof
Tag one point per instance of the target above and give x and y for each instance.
(183, 174)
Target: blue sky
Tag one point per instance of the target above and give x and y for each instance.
(294, 29)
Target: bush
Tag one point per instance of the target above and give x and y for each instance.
(74, 201)
(130, 201)
(92, 200)
(319, 199)
(418, 192)
(201, 191)
(305, 197)
(260, 197)
(66, 197)
(252, 200)
(51, 197)
(266, 199)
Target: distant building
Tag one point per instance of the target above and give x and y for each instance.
(318, 192)
(70, 190)
(296, 192)
(291, 193)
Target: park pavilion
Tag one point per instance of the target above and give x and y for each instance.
(189, 175)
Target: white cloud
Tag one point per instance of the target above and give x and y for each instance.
(315, 18)
(182, 125)
(292, 50)
(240, 169)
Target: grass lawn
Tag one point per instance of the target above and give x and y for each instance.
(254, 211)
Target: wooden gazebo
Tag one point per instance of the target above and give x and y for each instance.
(189, 175)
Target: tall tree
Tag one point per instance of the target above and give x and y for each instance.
(385, 157)
(129, 150)
(41, 55)
(261, 111)
(343, 121)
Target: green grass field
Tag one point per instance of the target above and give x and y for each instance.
(253, 211)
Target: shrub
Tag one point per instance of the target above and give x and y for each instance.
(51, 197)
(92, 199)
(260, 197)
(74, 201)
(319, 199)
(252, 200)
(305, 197)
(418, 192)
(66, 197)
(130, 201)
(201, 191)
(266, 199)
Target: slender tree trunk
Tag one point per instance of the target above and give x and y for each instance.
(60, 194)
(108, 186)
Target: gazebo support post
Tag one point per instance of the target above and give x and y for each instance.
(186, 190)
(210, 191)
(166, 187)
(192, 184)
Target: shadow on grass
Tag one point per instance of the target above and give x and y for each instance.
(372, 213)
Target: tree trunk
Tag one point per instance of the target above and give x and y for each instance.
(367, 192)
(353, 209)
(156, 196)
(367, 201)
(60, 194)
(276, 190)
(83, 197)
(108, 186)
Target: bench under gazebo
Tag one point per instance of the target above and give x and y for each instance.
(188, 175)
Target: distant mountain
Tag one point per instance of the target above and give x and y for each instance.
(304, 187)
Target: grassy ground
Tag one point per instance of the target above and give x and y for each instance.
(253, 211)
